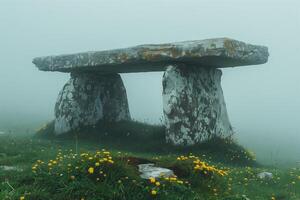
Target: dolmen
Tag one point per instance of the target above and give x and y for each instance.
(193, 102)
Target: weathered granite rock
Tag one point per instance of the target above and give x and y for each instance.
(265, 175)
(89, 97)
(194, 106)
(214, 53)
(149, 171)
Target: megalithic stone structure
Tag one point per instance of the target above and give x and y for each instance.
(193, 102)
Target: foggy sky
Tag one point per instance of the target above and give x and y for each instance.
(263, 101)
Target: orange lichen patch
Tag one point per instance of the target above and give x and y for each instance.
(123, 57)
(230, 47)
(153, 55)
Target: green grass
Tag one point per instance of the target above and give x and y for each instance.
(132, 144)
(146, 139)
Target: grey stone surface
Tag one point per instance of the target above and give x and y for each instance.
(10, 168)
(215, 53)
(194, 106)
(150, 171)
(89, 97)
(265, 175)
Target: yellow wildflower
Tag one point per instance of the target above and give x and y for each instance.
(111, 161)
(152, 180)
(91, 170)
(153, 192)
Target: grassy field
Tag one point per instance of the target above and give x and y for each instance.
(104, 166)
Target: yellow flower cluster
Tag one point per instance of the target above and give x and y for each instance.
(173, 179)
(156, 183)
(36, 165)
(71, 163)
(162, 180)
(205, 168)
(100, 157)
(202, 166)
(182, 158)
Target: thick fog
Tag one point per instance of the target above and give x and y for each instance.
(263, 101)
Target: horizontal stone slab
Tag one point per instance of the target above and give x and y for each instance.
(215, 53)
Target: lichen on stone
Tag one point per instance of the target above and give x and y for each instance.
(194, 106)
(89, 97)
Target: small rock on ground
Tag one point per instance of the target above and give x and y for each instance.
(148, 171)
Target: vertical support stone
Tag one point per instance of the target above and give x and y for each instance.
(89, 97)
(193, 104)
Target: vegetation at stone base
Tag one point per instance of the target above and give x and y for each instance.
(143, 139)
(75, 174)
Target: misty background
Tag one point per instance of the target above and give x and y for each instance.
(263, 101)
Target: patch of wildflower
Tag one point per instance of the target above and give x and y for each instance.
(201, 166)
(70, 165)
(159, 184)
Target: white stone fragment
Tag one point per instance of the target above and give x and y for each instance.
(10, 168)
(265, 175)
(148, 170)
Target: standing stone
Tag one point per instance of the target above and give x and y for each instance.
(194, 106)
(89, 97)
